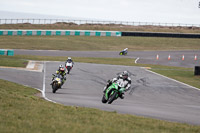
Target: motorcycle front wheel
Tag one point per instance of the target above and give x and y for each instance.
(112, 98)
(104, 99)
(54, 87)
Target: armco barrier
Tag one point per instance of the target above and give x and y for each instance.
(153, 34)
(59, 33)
(93, 33)
(2, 52)
(8, 52)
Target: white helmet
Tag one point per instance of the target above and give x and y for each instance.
(125, 75)
(69, 58)
(61, 68)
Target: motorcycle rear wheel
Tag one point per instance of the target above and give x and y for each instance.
(68, 69)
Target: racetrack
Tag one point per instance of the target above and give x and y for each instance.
(151, 95)
(145, 57)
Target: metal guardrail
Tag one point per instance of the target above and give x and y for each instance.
(9, 52)
(79, 22)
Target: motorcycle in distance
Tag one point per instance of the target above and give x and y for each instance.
(68, 66)
(56, 82)
(123, 53)
(112, 93)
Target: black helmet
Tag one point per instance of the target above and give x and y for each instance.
(125, 75)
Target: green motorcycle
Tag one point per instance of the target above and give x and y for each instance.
(112, 93)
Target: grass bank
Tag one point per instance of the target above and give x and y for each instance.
(22, 111)
(85, 43)
(183, 75)
(12, 62)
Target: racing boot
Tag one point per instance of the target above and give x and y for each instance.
(121, 96)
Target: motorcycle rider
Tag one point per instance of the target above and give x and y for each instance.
(123, 79)
(69, 59)
(124, 52)
(61, 71)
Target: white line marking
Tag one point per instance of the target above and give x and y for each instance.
(173, 80)
(44, 88)
(136, 60)
(44, 78)
(30, 65)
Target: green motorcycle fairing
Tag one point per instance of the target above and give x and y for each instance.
(113, 88)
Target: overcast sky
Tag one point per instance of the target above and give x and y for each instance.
(174, 11)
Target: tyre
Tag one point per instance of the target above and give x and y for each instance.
(104, 99)
(68, 69)
(112, 98)
(54, 87)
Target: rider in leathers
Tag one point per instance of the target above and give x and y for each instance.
(125, 51)
(123, 79)
(69, 59)
(61, 71)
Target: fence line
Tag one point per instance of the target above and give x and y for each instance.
(79, 22)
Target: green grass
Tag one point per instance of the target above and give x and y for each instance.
(85, 43)
(12, 62)
(185, 76)
(23, 112)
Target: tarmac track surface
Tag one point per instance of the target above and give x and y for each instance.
(145, 57)
(151, 95)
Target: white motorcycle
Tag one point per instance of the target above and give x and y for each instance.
(68, 66)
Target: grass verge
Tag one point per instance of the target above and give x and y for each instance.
(12, 62)
(22, 111)
(85, 43)
(183, 75)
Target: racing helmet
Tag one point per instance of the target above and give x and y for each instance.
(69, 58)
(125, 75)
(61, 68)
